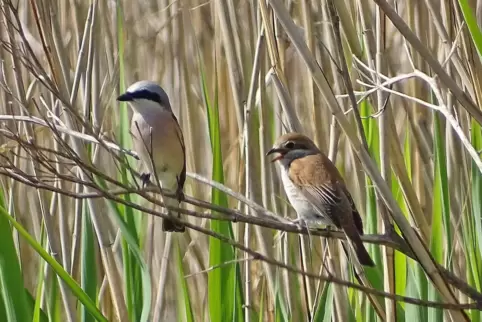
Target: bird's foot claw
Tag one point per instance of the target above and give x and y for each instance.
(180, 195)
(300, 222)
(145, 178)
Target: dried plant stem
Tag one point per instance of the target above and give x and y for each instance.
(161, 287)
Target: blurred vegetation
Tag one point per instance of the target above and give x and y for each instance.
(389, 90)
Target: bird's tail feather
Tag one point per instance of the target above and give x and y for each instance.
(170, 225)
(361, 252)
(363, 256)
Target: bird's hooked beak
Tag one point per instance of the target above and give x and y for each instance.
(281, 152)
(126, 97)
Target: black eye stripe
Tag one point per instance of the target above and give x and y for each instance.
(147, 95)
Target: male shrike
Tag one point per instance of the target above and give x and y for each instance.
(158, 141)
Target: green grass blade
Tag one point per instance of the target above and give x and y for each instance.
(471, 21)
(39, 315)
(58, 269)
(185, 307)
(11, 282)
(417, 288)
(88, 262)
(474, 243)
(324, 311)
(224, 283)
(440, 212)
(281, 311)
(37, 311)
(53, 301)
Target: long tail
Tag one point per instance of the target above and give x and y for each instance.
(169, 225)
(361, 251)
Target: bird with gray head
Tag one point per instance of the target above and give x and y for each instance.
(158, 141)
(316, 189)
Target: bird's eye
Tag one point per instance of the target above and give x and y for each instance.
(289, 145)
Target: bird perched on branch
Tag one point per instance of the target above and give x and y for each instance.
(316, 189)
(158, 141)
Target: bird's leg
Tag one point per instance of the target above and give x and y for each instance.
(145, 178)
(326, 241)
(328, 229)
(179, 194)
(179, 191)
(302, 223)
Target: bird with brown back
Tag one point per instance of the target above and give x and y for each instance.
(317, 191)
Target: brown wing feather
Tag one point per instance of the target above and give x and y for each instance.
(182, 176)
(356, 215)
(327, 195)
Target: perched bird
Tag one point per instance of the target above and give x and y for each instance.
(316, 189)
(158, 141)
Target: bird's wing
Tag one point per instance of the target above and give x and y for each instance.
(326, 200)
(181, 179)
(356, 215)
(327, 195)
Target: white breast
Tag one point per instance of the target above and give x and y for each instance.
(158, 132)
(302, 206)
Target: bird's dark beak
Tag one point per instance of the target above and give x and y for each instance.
(280, 152)
(126, 97)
